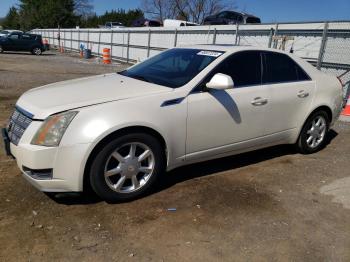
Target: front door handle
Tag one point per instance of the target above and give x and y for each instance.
(258, 101)
(303, 94)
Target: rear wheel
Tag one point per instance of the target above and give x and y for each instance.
(313, 135)
(127, 167)
(37, 51)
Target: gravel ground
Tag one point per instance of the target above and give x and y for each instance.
(268, 205)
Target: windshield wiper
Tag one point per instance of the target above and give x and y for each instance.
(139, 77)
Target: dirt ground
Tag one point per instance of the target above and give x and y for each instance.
(268, 205)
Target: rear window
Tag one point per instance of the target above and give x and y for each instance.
(280, 68)
(253, 20)
(28, 37)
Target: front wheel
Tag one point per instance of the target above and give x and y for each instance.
(127, 167)
(37, 51)
(313, 135)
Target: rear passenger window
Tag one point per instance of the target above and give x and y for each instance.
(243, 67)
(26, 37)
(279, 68)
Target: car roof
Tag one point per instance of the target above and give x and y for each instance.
(14, 31)
(230, 48)
(241, 13)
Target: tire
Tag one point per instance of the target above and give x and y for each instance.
(37, 51)
(313, 138)
(1, 49)
(115, 176)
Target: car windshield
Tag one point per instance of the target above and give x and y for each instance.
(173, 68)
(4, 32)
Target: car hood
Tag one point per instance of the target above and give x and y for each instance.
(53, 98)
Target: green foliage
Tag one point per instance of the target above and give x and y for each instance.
(46, 13)
(11, 20)
(120, 15)
(64, 13)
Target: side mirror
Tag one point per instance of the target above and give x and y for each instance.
(220, 82)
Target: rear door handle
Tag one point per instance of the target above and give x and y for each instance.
(258, 101)
(303, 94)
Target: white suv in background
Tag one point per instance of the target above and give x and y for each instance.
(120, 132)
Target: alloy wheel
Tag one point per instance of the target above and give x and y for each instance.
(37, 51)
(317, 131)
(129, 167)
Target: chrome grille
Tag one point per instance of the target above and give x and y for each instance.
(18, 123)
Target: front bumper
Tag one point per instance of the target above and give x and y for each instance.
(66, 164)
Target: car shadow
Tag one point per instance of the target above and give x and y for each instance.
(192, 171)
(27, 53)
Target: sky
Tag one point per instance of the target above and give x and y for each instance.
(267, 10)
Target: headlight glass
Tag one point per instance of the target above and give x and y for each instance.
(53, 128)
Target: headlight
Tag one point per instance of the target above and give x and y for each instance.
(53, 128)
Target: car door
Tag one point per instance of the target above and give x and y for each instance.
(221, 121)
(291, 91)
(26, 42)
(13, 43)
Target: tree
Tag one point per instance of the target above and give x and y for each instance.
(83, 8)
(119, 15)
(11, 20)
(190, 10)
(160, 9)
(47, 13)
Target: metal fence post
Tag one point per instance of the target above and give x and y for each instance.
(237, 33)
(111, 43)
(79, 39)
(175, 37)
(323, 46)
(71, 40)
(99, 43)
(127, 48)
(88, 38)
(272, 31)
(149, 42)
(214, 36)
(275, 43)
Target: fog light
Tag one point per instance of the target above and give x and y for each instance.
(38, 174)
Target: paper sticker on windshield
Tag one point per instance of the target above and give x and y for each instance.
(210, 53)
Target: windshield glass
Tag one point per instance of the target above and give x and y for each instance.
(4, 32)
(253, 20)
(173, 68)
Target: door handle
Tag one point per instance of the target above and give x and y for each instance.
(258, 101)
(303, 94)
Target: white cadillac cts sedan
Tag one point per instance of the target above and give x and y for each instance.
(118, 133)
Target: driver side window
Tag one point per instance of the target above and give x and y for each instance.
(243, 67)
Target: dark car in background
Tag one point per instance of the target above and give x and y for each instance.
(17, 41)
(7, 32)
(143, 22)
(231, 18)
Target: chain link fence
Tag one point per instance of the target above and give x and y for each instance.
(325, 45)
